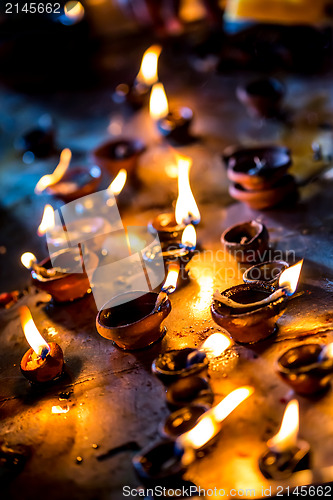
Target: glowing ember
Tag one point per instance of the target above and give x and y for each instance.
(216, 344)
(170, 283)
(186, 208)
(158, 103)
(189, 237)
(148, 74)
(58, 173)
(28, 259)
(286, 438)
(34, 338)
(47, 222)
(118, 183)
(290, 276)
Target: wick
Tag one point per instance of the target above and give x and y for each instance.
(260, 165)
(281, 292)
(45, 352)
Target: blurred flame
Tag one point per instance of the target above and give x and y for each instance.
(172, 277)
(28, 259)
(58, 173)
(74, 11)
(327, 352)
(47, 222)
(216, 344)
(290, 276)
(189, 237)
(158, 103)
(60, 409)
(286, 438)
(209, 424)
(34, 338)
(118, 183)
(186, 208)
(148, 71)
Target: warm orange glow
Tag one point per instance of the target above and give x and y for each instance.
(210, 423)
(327, 352)
(74, 11)
(60, 409)
(34, 338)
(189, 237)
(290, 276)
(186, 208)
(286, 438)
(170, 283)
(118, 182)
(28, 259)
(47, 222)
(215, 345)
(58, 173)
(148, 71)
(158, 103)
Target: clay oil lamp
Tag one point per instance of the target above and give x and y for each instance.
(262, 199)
(133, 320)
(175, 364)
(246, 242)
(173, 124)
(165, 462)
(267, 272)
(241, 154)
(137, 93)
(118, 154)
(262, 98)
(285, 453)
(68, 184)
(169, 226)
(62, 274)
(189, 390)
(249, 312)
(307, 368)
(44, 361)
(259, 168)
(182, 420)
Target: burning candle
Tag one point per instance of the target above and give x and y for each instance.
(44, 361)
(137, 93)
(286, 453)
(58, 173)
(118, 183)
(173, 124)
(250, 321)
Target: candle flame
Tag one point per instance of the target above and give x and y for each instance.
(327, 352)
(286, 438)
(189, 237)
(186, 208)
(158, 103)
(60, 409)
(118, 183)
(209, 424)
(28, 259)
(58, 173)
(216, 344)
(34, 338)
(47, 222)
(148, 71)
(74, 11)
(290, 276)
(170, 283)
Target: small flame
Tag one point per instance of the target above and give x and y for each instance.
(189, 237)
(186, 208)
(290, 276)
(216, 344)
(170, 283)
(286, 438)
(158, 103)
(34, 338)
(118, 182)
(60, 409)
(209, 424)
(47, 222)
(58, 173)
(28, 259)
(327, 352)
(74, 11)
(148, 71)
